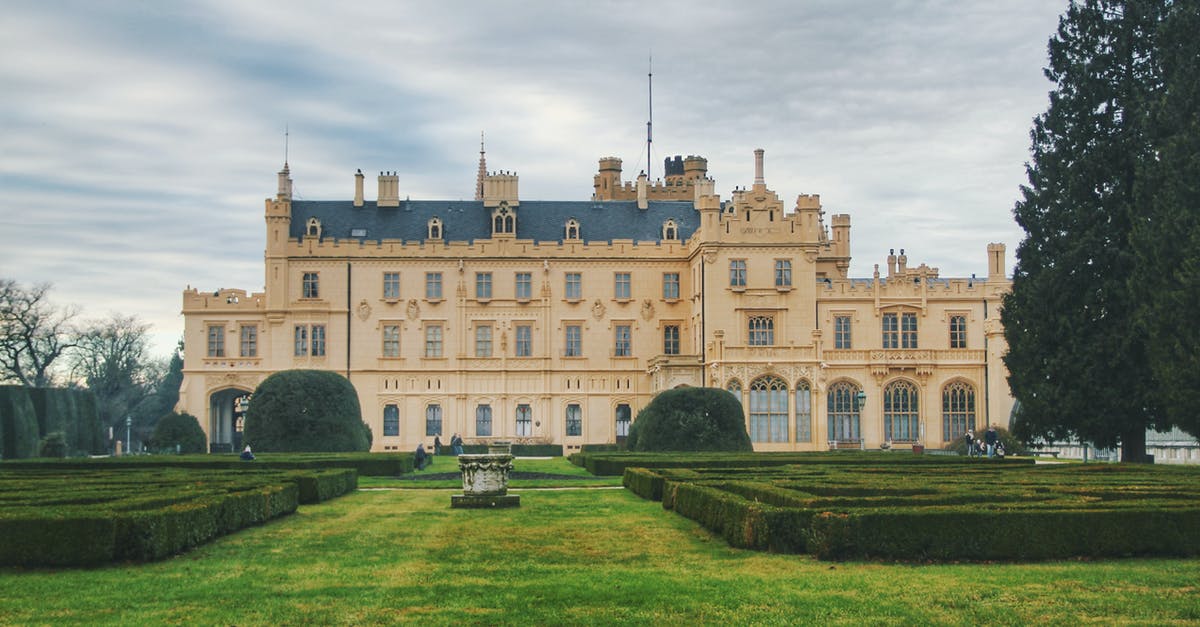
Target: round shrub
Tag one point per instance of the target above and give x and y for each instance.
(690, 419)
(53, 445)
(305, 411)
(182, 430)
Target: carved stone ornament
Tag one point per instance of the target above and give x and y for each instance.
(598, 309)
(364, 310)
(414, 310)
(647, 309)
(710, 256)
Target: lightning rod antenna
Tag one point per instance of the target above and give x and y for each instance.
(650, 120)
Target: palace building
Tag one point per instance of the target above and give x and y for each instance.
(557, 321)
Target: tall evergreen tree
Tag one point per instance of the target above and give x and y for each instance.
(1167, 233)
(1077, 363)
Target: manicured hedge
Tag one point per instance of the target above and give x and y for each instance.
(306, 411)
(924, 511)
(614, 464)
(19, 434)
(518, 450)
(29, 414)
(93, 517)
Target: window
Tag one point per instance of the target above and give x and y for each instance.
(391, 340)
(524, 420)
(908, 330)
(483, 420)
(572, 230)
(483, 285)
(783, 273)
(768, 410)
(391, 420)
(524, 285)
(803, 412)
(843, 409)
(433, 341)
(318, 340)
(670, 285)
(958, 410)
(310, 285)
(624, 417)
(671, 339)
(574, 419)
(621, 343)
(300, 346)
(901, 419)
(391, 285)
(958, 331)
(737, 273)
(841, 332)
(670, 230)
(762, 331)
(621, 286)
(433, 285)
(524, 340)
(435, 228)
(483, 341)
(574, 289)
(503, 220)
(735, 388)
(216, 340)
(249, 333)
(314, 227)
(433, 420)
(891, 331)
(574, 340)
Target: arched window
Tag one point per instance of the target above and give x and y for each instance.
(572, 229)
(803, 412)
(435, 228)
(574, 419)
(433, 420)
(483, 420)
(670, 230)
(762, 331)
(843, 410)
(624, 417)
(768, 410)
(524, 420)
(901, 415)
(958, 410)
(504, 220)
(391, 420)
(735, 388)
(314, 228)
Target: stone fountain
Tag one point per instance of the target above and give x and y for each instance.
(485, 479)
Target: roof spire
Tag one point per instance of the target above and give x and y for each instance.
(482, 170)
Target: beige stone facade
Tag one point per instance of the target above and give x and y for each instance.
(556, 322)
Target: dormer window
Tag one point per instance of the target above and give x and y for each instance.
(572, 229)
(670, 230)
(314, 228)
(504, 220)
(435, 228)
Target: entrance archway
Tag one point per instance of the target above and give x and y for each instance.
(226, 411)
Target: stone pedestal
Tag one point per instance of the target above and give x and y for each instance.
(485, 479)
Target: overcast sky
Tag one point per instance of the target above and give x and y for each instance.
(139, 139)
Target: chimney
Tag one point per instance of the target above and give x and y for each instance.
(995, 262)
(891, 259)
(758, 167)
(285, 183)
(389, 189)
(641, 191)
(358, 189)
(902, 263)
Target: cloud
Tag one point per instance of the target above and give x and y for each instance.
(139, 139)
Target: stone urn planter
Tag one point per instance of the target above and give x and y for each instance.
(485, 479)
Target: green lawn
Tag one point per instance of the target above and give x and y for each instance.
(598, 556)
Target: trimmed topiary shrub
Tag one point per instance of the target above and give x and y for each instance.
(305, 411)
(690, 419)
(179, 430)
(53, 445)
(19, 435)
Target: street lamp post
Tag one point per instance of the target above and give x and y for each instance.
(128, 427)
(860, 400)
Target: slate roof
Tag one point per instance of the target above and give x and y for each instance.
(468, 220)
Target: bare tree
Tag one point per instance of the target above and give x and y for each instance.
(112, 359)
(33, 333)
